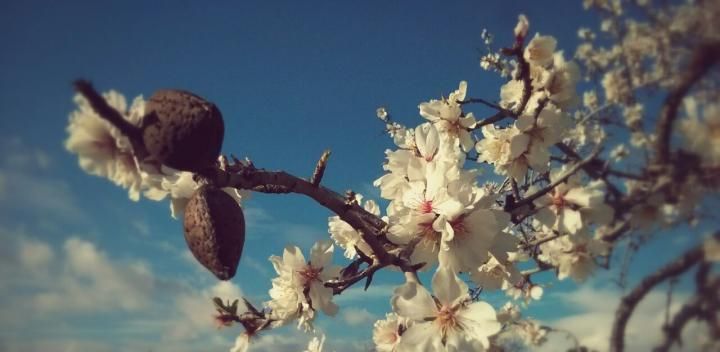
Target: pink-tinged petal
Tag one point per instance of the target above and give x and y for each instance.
(413, 301)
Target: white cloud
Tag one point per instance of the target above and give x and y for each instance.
(27, 185)
(358, 294)
(196, 310)
(35, 255)
(596, 313)
(356, 316)
(141, 227)
(90, 282)
(60, 345)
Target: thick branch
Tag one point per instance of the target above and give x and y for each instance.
(704, 57)
(631, 300)
(369, 225)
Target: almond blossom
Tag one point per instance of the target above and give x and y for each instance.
(445, 321)
(348, 237)
(101, 148)
(299, 289)
(387, 333)
(449, 119)
(570, 206)
(540, 49)
(702, 135)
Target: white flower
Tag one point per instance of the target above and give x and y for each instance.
(382, 113)
(528, 332)
(562, 81)
(617, 89)
(299, 289)
(633, 115)
(242, 343)
(711, 249)
(526, 291)
(102, 150)
(495, 147)
(702, 135)
(574, 255)
(468, 237)
(508, 313)
(522, 26)
(511, 93)
(590, 100)
(547, 129)
(448, 118)
(180, 186)
(447, 321)
(540, 50)
(346, 236)
(387, 333)
(619, 152)
(316, 344)
(495, 275)
(570, 206)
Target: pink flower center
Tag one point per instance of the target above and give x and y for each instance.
(558, 201)
(426, 207)
(428, 232)
(446, 319)
(458, 226)
(310, 274)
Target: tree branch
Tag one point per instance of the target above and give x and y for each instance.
(529, 199)
(704, 57)
(630, 301)
(259, 180)
(695, 308)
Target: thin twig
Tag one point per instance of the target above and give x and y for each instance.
(529, 199)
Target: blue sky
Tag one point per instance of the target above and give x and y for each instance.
(84, 268)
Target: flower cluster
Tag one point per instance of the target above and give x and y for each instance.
(299, 289)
